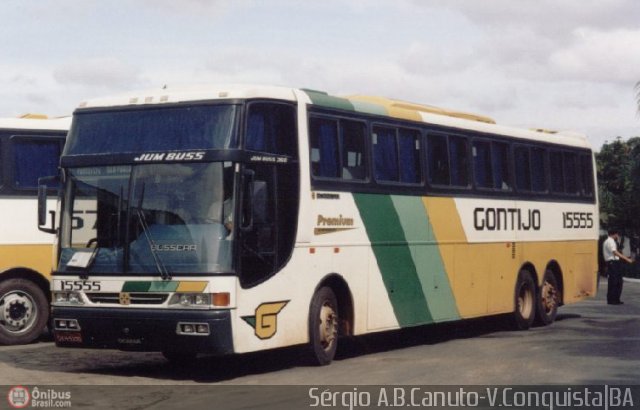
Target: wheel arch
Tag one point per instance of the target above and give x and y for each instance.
(31, 275)
(344, 296)
(529, 267)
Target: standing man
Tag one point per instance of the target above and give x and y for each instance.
(612, 259)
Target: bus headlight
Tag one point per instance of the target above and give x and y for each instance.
(71, 298)
(200, 300)
(191, 299)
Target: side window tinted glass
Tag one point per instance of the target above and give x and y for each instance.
(458, 158)
(409, 148)
(272, 128)
(353, 150)
(538, 170)
(500, 166)
(34, 159)
(482, 164)
(385, 154)
(523, 169)
(324, 147)
(438, 159)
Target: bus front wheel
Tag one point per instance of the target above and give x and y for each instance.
(323, 326)
(24, 311)
(525, 297)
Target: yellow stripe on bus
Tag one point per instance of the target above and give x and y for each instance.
(35, 257)
(192, 286)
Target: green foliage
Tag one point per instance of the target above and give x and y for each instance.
(618, 165)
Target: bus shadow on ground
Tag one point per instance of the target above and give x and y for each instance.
(208, 369)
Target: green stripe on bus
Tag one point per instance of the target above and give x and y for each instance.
(394, 258)
(426, 257)
(155, 286)
(136, 286)
(369, 108)
(325, 100)
(169, 286)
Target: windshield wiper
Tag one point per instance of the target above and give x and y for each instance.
(164, 273)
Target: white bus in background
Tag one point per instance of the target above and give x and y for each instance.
(30, 148)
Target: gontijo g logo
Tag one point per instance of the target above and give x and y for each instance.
(18, 397)
(265, 321)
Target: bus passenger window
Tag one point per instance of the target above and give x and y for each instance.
(353, 158)
(409, 149)
(323, 135)
(438, 160)
(586, 171)
(538, 170)
(523, 169)
(34, 159)
(385, 154)
(557, 175)
(458, 158)
(570, 173)
(482, 164)
(500, 166)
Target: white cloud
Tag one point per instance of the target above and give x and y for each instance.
(104, 73)
(612, 56)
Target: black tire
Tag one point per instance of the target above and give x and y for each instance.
(323, 326)
(548, 300)
(525, 301)
(24, 311)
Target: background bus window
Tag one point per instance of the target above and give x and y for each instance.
(409, 150)
(500, 166)
(438, 159)
(385, 154)
(557, 172)
(570, 173)
(458, 158)
(353, 158)
(324, 147)
(538, 170)
(33, 159)
(586, 168)
(523, 169)
(482, 164)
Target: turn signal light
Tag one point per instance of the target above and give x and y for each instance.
(221, 299)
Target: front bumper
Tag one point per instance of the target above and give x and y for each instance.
(149, 330)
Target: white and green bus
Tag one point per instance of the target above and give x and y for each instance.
(233, 219)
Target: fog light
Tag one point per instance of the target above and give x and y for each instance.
(61, 324)
(192, 329)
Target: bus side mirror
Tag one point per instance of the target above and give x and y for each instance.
(43, 187)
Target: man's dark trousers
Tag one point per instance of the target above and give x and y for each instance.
(614, 272)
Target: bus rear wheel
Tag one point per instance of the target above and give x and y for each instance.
(548, 299)
(525, 297)
(24, 311)
(323, 326)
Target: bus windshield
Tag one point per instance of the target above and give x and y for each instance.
(157, 219)
(152, 129)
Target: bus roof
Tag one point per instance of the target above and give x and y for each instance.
(357, 103)
(36, 122)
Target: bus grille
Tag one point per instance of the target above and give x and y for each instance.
(135, 298)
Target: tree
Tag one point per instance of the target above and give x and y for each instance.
(618, 165)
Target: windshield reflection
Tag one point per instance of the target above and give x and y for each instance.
(150, 219)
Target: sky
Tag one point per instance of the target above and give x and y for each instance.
(553, 64)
